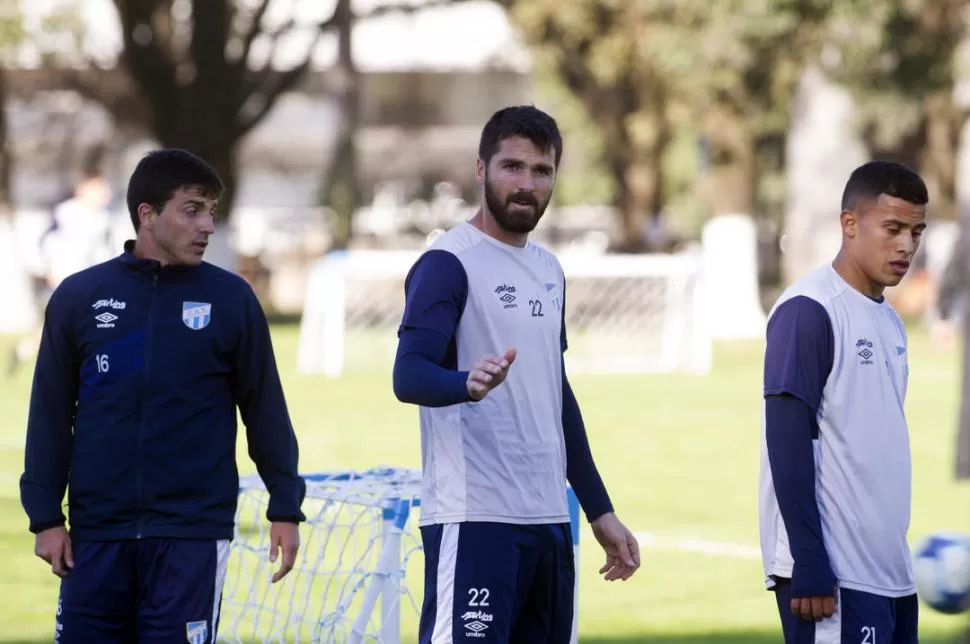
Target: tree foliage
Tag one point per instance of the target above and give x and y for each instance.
(746, 60)
(901, 61)
(595, 47)
(646, 68)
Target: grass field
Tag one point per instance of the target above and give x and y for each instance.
(680, 457)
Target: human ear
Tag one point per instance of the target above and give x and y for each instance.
(850, 223)
(480, 172)
(146, 214)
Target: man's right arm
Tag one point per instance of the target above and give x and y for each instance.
(50, 424)
(436, 290)
(798, 360)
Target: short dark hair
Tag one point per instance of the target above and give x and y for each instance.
(161, 172)
(526, 121)
(875, 178)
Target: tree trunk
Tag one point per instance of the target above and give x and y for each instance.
(341, 189)
(224, 162)
(221, 156)
(634, 154)
(6, 156)
(341, 186)
(638, 198)
(943, 121)
(731, 176)
(906, 149)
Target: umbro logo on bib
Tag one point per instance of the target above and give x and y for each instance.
(864, 350)
(506, 295)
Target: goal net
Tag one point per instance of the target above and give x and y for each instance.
(624, 313)
(359, 571)
(356, 577)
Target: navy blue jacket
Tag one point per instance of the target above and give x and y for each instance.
(133, 409)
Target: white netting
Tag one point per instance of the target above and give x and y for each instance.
(356, 578)
(624, 313)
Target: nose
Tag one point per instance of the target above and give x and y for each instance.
(909, 244)
(527, 182)
(207, 224)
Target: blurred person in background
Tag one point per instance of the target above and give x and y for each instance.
(79, 236)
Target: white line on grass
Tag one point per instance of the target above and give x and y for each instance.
(701, 546)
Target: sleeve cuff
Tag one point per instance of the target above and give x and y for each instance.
(37, 528)
(812, 582)
(286, 500)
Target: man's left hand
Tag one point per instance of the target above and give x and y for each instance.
(622, 549)
(285, 538)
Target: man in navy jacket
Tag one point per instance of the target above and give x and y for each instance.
(143, 363)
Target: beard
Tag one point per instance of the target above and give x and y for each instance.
(518, 214)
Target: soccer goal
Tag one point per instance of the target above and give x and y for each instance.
(359, 573)
(624, 313)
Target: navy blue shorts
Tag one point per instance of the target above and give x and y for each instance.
(860, 618)
(495, 582)
(145, 591)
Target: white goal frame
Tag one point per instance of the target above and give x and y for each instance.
(686, 339)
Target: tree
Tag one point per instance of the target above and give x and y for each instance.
(196, 72)
(341, 186)
(6, 156)
(11, 31)
(745, 62)
(594, 45)
(900, 60)
(727, 68)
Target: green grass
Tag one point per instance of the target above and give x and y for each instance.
(679, 454)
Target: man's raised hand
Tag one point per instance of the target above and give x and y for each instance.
(488, 373)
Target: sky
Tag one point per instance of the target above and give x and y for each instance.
(461, 37)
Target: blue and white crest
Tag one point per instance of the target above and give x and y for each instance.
(196, 315)
(197, 632)
(552, 291)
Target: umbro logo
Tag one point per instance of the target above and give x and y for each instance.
(506, 295)
(864, 350)
(106, 320)
(476, 629)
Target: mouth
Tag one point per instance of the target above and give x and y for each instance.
(900, 267)
(201, 246)
(523, 200)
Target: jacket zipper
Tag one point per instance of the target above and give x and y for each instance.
(144, 403)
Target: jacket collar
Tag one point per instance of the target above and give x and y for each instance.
(151, 268)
